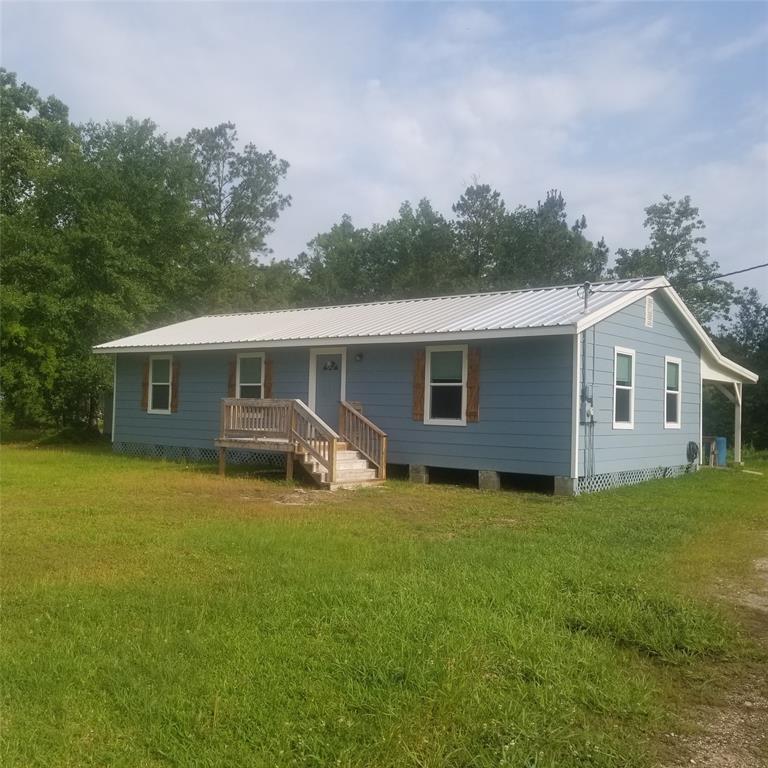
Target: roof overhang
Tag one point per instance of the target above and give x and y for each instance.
(713, 361)
(711, 356)
(420, 338)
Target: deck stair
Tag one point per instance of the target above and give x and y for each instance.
(352, 469)
(353, 457)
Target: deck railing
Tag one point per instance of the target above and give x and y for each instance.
(249, 417)
(363, 435)
(286, 420)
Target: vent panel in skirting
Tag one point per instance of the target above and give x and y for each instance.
(609, 480)
(197, 455)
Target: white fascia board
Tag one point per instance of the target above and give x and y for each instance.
(663, 285)
(624, 299)
(421, 338)
(709, 345)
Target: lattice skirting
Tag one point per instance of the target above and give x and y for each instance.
(608, 480)
(202, 455)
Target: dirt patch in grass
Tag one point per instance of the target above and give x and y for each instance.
(301, 498)
(734, 732)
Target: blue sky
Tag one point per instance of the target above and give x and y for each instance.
(372, 104)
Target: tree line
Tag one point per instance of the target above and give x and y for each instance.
(107, 229)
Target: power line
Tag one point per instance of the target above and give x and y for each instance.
(682, 285)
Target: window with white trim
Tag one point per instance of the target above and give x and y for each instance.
(672, 387)
(446, 385)
(160, 377)
(623, 388)
(250, 375)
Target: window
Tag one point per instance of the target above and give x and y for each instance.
(649, 311)
(250, 375)
(624, 388)
(160, 372)
(672, 367)
(446, 390)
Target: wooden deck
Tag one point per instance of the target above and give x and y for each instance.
(356, 455)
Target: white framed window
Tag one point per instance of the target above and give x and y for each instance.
(623, 388)
(673, 368)
(250, 375)
(649, 311)
(160, 381)
(445, 391)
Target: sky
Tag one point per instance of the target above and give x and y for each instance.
(372, 104)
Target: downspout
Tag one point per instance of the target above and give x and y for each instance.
(114, 395)
(575, 408)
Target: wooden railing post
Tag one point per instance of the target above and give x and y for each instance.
(383, 467)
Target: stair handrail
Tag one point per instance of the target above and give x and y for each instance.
(324, 447)
(364, 436)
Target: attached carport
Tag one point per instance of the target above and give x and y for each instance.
(728, 378)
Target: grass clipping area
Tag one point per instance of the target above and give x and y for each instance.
(156, 614)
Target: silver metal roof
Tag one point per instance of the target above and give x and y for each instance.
(503, 313)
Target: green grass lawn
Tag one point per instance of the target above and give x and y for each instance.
(158, 615)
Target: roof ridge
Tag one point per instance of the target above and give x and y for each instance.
(426, 298)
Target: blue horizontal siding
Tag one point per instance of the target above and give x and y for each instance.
(525, 407)
(203, 382)
(525, 403)
(649, 444)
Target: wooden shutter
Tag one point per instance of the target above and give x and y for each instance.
(145, 387)
(232, 381)
(267, 378)
(175, 386)
(473, 385)
(418, 385)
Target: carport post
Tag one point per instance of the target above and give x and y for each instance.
(737, 423)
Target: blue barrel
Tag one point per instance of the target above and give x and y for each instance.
(722, 451)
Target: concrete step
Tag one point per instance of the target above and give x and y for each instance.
(351, 464)
(352, 470)
(363, 473)
(356, 474)
(351, 486)
(342, 466)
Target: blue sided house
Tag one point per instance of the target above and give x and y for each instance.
(589, 387)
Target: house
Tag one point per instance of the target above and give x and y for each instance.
(589, 386)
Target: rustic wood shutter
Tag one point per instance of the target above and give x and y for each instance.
(473, 385)
(418, 384)
(232, 381)
(175, 386)
(267, 378)
(145, 387)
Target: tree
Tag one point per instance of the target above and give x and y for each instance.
(480, 215)
(335, 268)
(108, 229)
(537, 247)
(238, 192)
(744, 338)
(676, 249)
(413, 254)
(36, 141)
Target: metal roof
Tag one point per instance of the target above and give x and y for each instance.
(498, 314)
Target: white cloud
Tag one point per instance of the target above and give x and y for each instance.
(370, 110)
(742, 44)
